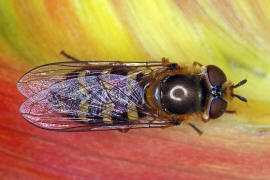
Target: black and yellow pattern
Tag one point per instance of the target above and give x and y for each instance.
(90, 95)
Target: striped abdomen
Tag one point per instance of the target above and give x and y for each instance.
(98, 97)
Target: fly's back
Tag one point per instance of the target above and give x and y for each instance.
(89, 96)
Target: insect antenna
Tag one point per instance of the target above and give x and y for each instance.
(239, 84)
(195, 128)
(240, 97)
(69, 57)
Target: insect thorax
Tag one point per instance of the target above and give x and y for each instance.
(178, 94)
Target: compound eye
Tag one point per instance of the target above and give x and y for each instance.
(217, 108)
(215, 75)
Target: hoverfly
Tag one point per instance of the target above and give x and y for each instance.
(90, 96)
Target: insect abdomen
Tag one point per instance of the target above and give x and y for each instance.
(100, 98)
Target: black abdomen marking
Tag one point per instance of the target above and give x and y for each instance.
(94, 114)
(94, 96)
(119, 117)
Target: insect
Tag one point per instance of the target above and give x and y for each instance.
(90, 96)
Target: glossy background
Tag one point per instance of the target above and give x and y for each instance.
(231, 34)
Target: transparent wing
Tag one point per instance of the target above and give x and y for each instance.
(45, 76)
(86, 96)
(40, 112)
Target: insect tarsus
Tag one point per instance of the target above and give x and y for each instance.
(68, 56)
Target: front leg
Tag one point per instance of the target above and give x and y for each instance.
(176, 122)
(230, 111)
(195, 128)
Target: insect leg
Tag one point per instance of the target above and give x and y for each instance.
(123, 130)
(195, 128)
(195, 63)
(230, 111)
(165, 61)
(171, 66)
(176, 122)
(69, 57)
(172, 123)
